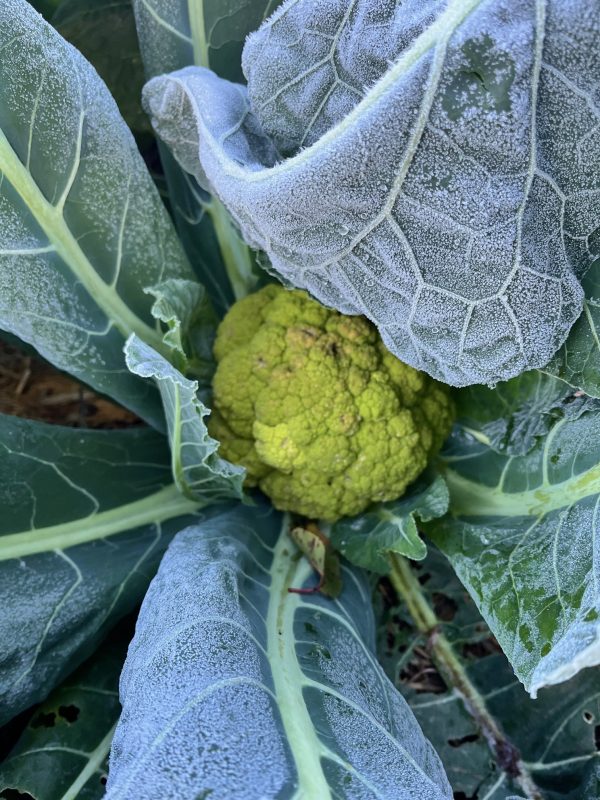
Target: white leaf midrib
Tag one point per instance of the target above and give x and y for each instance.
(288, 678)
(162, 505)
(439, 32)
(473, 499)
(51, 220)
(95, 759)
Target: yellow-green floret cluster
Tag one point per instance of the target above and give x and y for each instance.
(323, 417)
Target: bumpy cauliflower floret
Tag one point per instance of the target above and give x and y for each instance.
(323, 417)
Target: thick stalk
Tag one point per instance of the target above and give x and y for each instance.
(507, 756)
(235, 254)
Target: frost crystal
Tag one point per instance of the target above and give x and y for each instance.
(433, 166)
(236, 688)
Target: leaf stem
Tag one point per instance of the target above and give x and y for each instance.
(506, 754)
(236, 255)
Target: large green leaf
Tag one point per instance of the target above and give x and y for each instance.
(82, 228)
(104, 32)
(433, 166)
(86, 516)
(368, 539)
(237, 688)
(198, 471)
(516, 413)
(521, 535)
(63, 752)
(578, 360)
(552, 736)
(175, 34)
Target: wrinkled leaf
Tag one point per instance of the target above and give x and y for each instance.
(199, 473)
(432, 166)
(86, 516)
(316, 547)
(175, 34)
(234, 686)
(190, 321)
(63, 752)
(82, 228)
(578, 360)
(555, 734)
(386, 528)
(520, 535)
(104, 32)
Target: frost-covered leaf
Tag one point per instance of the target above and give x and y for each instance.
(235, 688)
(104, 32)
(82, 228)
(63, 752)
(190, 322)
(199, 473)
(434, 166)
(175, 34)
(521, 535)
(554, 735)
(518, 412)
(386, 528)
(578, 360)
(86, 516)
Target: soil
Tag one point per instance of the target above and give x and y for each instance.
(31, 387)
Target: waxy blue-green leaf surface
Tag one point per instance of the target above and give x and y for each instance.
(86, 516)
(433, 166)
(236, 688)
(521, 534)
(190, 327)
(517, 413)
(63, 752)
(82, 228)
(368, 539)
(578, 360)
(104, 32)
(199, 473)
(175, 34)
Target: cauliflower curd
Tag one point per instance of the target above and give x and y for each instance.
(324, 419)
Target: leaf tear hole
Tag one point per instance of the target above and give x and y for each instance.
(470, 737)
(15, 794)
(44, 720)
(597, 737)
(588, 717)
(70, 713)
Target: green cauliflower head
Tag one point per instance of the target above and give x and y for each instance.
(324, 419)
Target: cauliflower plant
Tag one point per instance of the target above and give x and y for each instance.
(324, 419)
